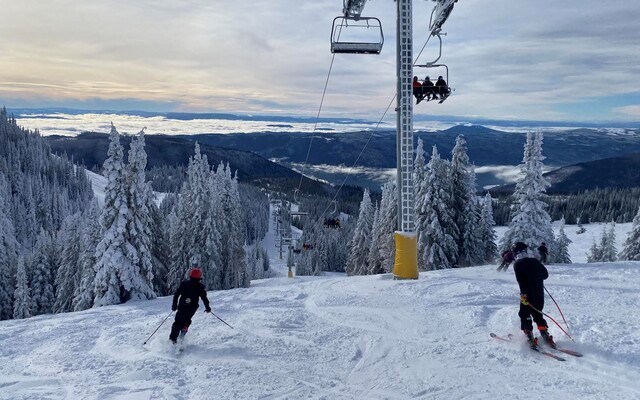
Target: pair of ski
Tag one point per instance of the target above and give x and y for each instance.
(435, 98)
(511, 338)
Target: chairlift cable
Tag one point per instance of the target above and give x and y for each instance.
(369, 138)
(315, 126)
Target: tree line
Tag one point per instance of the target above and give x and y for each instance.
(63, 250)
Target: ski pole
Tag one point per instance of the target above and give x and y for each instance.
(561, 314)
(154, 332)
(551, 318)
(221, 320)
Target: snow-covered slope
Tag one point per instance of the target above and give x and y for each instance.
(99, 183)
(334, 337)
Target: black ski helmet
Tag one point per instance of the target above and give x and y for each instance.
(519, 247)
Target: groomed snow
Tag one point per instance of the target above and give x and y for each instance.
(334, 337)
(99, 183)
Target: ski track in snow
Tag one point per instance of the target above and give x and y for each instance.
(333, 337)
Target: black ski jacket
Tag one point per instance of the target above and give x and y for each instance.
(189, 292)
(530, 274)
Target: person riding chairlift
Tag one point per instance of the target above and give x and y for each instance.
(442, 88)
(428, 89)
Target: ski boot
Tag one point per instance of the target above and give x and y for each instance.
(544, 332)
(184, 331)
(533, 341)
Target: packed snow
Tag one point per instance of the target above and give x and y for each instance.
(339, 337)
(99, 183)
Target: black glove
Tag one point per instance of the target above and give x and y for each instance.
(207, 310)
(174, 307)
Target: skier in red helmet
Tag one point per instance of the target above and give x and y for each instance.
(185, 301)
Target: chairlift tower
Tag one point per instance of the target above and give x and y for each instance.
(406, 261)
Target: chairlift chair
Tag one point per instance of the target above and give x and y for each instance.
(446, 77)
(295, 200)
(345, 25)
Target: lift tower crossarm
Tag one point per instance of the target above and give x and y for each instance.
(353, 8)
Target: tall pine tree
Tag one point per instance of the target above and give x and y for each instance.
(361, 240)
(42, 276)
(631, 249)
(436, 229)
(118, 278)
(22, 294)
(562, 246)
(531, 223)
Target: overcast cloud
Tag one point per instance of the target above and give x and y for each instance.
(551, 60)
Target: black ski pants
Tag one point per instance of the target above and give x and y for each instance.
(527, 313)
(183, 319)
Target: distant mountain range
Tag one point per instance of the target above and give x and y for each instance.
(90, 149)
(614, 172)
(486, 147)
(586, 157)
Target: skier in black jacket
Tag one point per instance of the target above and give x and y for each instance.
(544, 252)
(530, 274)
(188, 292)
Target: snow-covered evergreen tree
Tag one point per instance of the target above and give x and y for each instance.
(464, 205)
(531, 223)
(631, 249)
(419, 175)
(91, 235)
(594, 254)
(307, 261)
(232, 255)
(561, 255)
(436, 244)
(195, 230)
(8, 253)
(117, 277)
(487, 233)
(608, 244)
(42, 276)
(360, 243)
(139, 221)
(160, 250)
(22, 295)
(68, 276)
(382, 251)
(474, 247)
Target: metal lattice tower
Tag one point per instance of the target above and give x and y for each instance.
(406, 221)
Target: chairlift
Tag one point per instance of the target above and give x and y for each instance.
(353, 28)
(295, 200)
(335, 207)
(447, 92)
(333, 222)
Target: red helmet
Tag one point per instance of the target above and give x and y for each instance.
(195, 273)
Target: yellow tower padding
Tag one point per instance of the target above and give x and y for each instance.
(406, 262)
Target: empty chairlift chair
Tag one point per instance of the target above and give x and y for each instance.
(356, 35)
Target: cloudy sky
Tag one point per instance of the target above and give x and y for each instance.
(576, 60)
